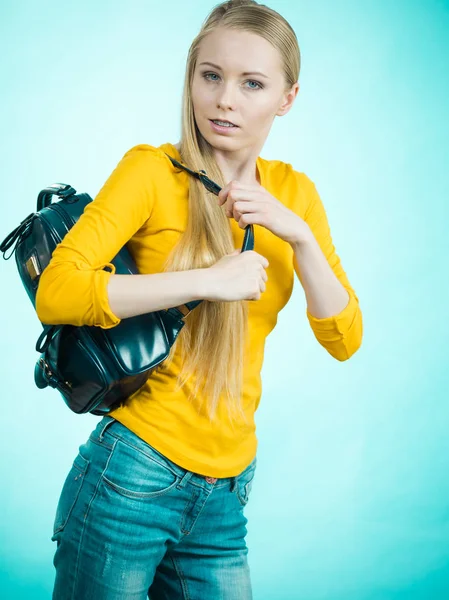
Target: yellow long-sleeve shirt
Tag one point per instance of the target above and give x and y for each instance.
(144, 204)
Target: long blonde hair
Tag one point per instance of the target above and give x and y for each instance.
(214, 337)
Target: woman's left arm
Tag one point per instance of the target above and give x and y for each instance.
(332, 305)
(333, 308)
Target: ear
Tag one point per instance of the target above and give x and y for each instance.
(288, 100)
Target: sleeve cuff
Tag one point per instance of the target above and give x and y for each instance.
(337, 324)
(103, 315)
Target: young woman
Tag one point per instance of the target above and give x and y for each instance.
(153, 505)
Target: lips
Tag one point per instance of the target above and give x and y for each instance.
(225, 121)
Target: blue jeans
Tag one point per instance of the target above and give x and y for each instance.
(131, 525)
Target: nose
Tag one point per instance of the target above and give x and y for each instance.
(225, 98)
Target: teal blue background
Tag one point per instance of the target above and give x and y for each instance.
(351, 497)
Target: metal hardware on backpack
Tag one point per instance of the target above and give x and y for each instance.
(94, 369)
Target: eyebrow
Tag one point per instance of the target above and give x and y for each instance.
(245, 73)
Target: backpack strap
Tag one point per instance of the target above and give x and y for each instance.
(210, 185)
(16, 235)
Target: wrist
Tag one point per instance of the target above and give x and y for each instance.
(202, 283)
(304, 240)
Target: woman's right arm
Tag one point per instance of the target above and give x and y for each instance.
(131, 295)
(76, 289)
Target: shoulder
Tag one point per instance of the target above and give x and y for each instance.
(144, 153)
(282, 172)
(146, 160)
(293, 187)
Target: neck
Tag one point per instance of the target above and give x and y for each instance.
(238, 166)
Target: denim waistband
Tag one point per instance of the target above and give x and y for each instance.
(125, 433)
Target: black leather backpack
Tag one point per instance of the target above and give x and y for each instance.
(94, 369)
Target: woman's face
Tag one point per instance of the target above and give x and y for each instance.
(249, 101)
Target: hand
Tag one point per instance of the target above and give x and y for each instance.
(237, 276)
(249, 203)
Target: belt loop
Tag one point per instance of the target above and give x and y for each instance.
(184, 480)
(233, 483)
(107, 421)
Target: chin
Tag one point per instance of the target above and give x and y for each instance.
(216, 141)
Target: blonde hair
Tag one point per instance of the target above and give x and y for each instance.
(214, 337)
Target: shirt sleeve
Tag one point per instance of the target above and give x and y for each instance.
(73, 287)
(340, 334)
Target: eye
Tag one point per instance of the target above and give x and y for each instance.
(260, 86)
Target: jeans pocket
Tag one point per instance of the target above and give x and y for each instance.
(69, 493)
(245, 483)
(134, 473)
